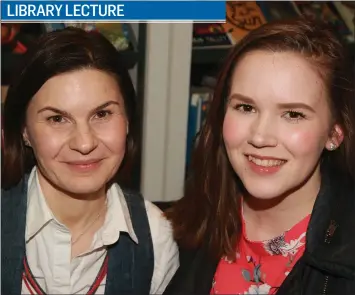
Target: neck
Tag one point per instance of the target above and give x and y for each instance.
(74, 211)
(266, 219)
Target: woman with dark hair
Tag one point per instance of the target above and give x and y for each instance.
(67, 226)
(270, 203)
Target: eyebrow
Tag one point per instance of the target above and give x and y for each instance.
(291, 105)
(241, 97)
(64, 113)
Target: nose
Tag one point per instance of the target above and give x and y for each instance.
(83, 140)
(263, 133)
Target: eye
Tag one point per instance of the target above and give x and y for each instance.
(57, 119)
(294, 116)
(245, 108)
(103, 114)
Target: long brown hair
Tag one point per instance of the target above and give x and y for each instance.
(56, 53)
(209, 212)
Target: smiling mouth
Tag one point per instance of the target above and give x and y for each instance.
(84, 166)
(84, 163)
(266, 162)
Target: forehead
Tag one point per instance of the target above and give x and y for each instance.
(280, 77)
(78, 89)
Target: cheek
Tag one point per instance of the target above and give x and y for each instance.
(304, 142)
(46, 143)
(235, 131)
(113, 136)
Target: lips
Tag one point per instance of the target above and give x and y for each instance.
(263, 166)
(86, 166)
(266, 161)
(84, 163)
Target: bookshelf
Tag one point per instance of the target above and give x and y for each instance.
(159, 59)
(166, 103)
(11, 60)
(209, 55)
(163, 62)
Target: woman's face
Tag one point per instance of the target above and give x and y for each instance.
(77, 126)
(277, 123)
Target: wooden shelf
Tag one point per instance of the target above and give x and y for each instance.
(215, 55)
(11, 61)
(209, 55)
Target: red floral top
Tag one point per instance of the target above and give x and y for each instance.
(261, 267)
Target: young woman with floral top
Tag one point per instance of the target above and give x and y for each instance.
(269, 206)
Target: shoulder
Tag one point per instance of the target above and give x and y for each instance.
(166, 253)
(160, 227)
(14, 194)
(157, 221)
(159, 224)
(164, 244)
(195, 275)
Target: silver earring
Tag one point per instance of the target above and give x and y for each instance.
(332, 146)
(27, 143)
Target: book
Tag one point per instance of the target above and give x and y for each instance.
(325, 11)
(278, 10)
(242, 17)
(210, 35)
(116, 33)
(200, 99)
(347, 14)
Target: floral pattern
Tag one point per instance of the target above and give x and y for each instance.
(261, 289)
(274, 246)
(279, 246)
(261, 267)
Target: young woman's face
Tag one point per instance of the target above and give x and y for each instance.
(76, 125)
(277, 123)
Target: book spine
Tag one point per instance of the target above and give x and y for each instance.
(191, 126)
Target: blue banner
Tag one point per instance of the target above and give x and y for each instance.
(122, 11)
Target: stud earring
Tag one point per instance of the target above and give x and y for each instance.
(27, 143)
(332, 146)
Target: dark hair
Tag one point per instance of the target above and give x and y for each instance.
(209, 213)
(56, 53)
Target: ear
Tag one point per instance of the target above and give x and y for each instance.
(127, 128)
(25, 137)
(335, 139)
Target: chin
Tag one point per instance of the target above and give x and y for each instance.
(266, 193)
(82, 186)
(264, 189)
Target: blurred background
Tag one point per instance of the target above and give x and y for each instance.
(174, 67)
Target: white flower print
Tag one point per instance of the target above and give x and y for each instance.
(213, 287)
(237, 256)
(278, 245)
(262, 289)
(225, 258)
(293, 246)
